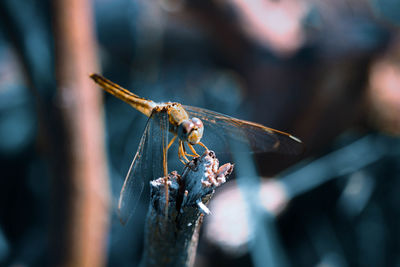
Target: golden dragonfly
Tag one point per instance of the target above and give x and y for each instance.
(185, 123)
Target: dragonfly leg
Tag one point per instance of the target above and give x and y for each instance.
(187, 154)
(165, 151)
(180, 158)
(193, 150)
(190, 155)
(181, 153)
(184, 151)
(200, 143)
(165, 164)
(171, 142)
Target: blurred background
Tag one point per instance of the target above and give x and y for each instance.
(326, 71)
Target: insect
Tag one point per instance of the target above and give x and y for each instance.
(187, 125)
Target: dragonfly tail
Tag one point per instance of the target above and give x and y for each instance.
(143, 105)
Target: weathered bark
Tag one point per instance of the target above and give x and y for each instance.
(171, 240)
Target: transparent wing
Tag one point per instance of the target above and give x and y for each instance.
(219, 128)
(149, 163)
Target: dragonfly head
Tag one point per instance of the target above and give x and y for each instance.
(191, 130)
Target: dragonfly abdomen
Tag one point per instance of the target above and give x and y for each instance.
(141, 104)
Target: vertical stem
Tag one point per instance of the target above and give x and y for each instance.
(85, 189)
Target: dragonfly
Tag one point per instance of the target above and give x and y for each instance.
(186, 124)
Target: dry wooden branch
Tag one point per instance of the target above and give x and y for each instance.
(172, 240)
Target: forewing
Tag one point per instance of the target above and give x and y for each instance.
(218, 128)
(159, 137)
(146, 165)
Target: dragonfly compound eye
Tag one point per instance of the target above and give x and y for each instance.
(197, 132)
(184, 129)
(197, 123)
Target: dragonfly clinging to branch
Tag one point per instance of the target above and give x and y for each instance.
(185, 123)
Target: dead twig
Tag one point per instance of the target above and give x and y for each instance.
(171, 240)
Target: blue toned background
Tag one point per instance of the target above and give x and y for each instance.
(325, 71)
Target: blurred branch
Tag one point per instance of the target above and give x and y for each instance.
(172, 240)
(85, 189)
(346, 160)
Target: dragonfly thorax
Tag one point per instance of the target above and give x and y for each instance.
(191, 130)
(176, 113)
